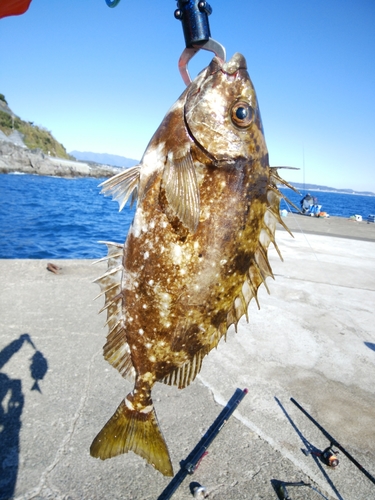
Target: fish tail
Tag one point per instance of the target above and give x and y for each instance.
(138, 431)
(36, 387)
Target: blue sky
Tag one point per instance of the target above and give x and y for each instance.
(102, 79)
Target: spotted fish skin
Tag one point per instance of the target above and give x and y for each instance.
(196, 252)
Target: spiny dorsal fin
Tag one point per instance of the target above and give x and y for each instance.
(122, 185)
(260, 268)
(181, 189)
(116, 349)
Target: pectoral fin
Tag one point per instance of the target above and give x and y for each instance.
(181, 189)
(122, 185)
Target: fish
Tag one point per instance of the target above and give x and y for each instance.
(38, 369)
(196, 252)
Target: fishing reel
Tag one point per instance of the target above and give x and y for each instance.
(327, 456)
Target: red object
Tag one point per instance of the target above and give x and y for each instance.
(13, 7)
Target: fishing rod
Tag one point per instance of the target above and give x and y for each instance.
(190, 464)
(334, 442)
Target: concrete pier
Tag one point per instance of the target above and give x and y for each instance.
(313, 339)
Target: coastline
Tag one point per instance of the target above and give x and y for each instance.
(325, 189)
(337, 191)
(17, 159)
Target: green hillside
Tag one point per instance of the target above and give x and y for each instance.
(33, 136)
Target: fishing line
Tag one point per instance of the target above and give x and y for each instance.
(300, 229)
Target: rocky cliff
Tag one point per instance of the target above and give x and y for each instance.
(16, 158)
(25, 148)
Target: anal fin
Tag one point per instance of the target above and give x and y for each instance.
(185, 374)
(131, 430)
(117, 351)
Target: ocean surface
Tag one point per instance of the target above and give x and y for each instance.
(56, 218)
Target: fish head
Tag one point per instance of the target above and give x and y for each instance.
(222, 113)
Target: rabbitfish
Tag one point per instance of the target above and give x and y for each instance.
(196, 253)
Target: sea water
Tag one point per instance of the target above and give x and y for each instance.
(56, 218)
(334, 203)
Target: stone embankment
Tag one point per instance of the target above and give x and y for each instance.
(17, 158)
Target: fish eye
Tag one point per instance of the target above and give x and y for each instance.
(242, 114)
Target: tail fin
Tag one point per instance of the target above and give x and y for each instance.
(36, 387)
(136, 431)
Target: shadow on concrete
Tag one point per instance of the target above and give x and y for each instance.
(282, 493)
(11, 406)
(310, 450)
(370, 345)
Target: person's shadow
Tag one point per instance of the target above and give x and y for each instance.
(11, 406)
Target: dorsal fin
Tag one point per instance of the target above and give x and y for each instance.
(122, 185)
(116, 349)
(259, 268)
(181, 189)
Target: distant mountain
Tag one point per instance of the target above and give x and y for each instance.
(316, 187)
(104, 159)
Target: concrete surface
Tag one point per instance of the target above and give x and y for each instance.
(313, 339)
(331, 226)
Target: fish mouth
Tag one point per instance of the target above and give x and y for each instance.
(236, 63)
(230, 68)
